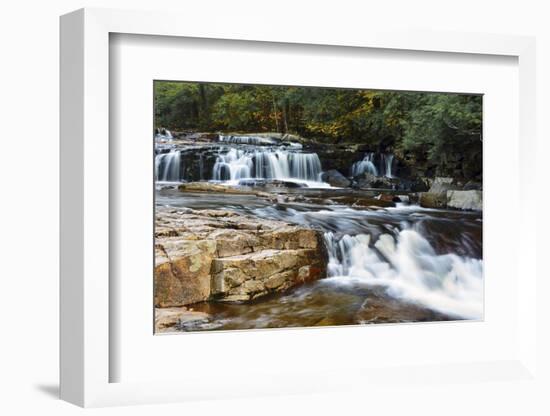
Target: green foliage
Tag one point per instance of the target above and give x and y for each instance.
(438, 128)
(446, 128)
(185, 105)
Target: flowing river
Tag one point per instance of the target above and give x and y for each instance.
(392, 264)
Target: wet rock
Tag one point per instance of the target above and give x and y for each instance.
(388, 198)
(472, 186)
(381, 308)
(252, 139)
(362, 202)
(417, 184)
(297, 198)
(370, 181)
(436, 197)
(207, 187)
(467, 200)
(414, 198)
(441, 185)
(432, 200)
(272, 183)
(173, 319)
(219, 254)
(335, 178)
(393, 198)
(201, 137)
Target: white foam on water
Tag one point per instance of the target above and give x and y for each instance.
(411, 270)
(365, 166)
(268, 164)
(375, 164)
(168, 167)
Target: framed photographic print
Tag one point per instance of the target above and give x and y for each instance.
(256, 204)
(290, 206)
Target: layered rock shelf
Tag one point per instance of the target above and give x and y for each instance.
(445, 193)
(221, 255)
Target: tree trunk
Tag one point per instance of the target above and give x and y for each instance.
(275, 114)
(285, 123)
(289, 115)
(203, 107)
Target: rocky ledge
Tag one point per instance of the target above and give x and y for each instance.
(446, 193)
(221, 255)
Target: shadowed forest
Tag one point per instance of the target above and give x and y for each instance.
(438, 128)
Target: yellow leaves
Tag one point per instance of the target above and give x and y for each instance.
(333, 129)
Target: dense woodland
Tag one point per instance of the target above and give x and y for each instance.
(435, 127)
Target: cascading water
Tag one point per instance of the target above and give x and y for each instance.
(267, 164)
(411, 270)
(305, 166)
(364, 166)
(369, 163)
(163, 135)
(235, 164)
(387, 160)
(271, 165)
(168, 166)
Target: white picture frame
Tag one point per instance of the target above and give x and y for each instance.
(86, 356)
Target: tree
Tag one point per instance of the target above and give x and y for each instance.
(442, 129)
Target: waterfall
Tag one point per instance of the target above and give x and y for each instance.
(387, 160)
(305, 166)
(235, 164)
(271, 164)
(364, 166)
(168, 167)
(163, 135)
(267, 164)
(368, 165)
(411, 270)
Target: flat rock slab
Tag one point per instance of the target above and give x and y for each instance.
(197, 187)
(249, 276)
(169, 320)
(471, 200)
(221, 255)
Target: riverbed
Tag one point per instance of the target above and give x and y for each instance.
(386, 264)
(388, 261)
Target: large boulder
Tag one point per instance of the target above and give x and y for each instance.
(182, 271)
(440, 185)
(417, 184)
(249, 276)
(431, 200)
(172, 319)
(219, 254)
(335, 178)
(370, 181)
(473, 186)
(467, 200)
(436, 197)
